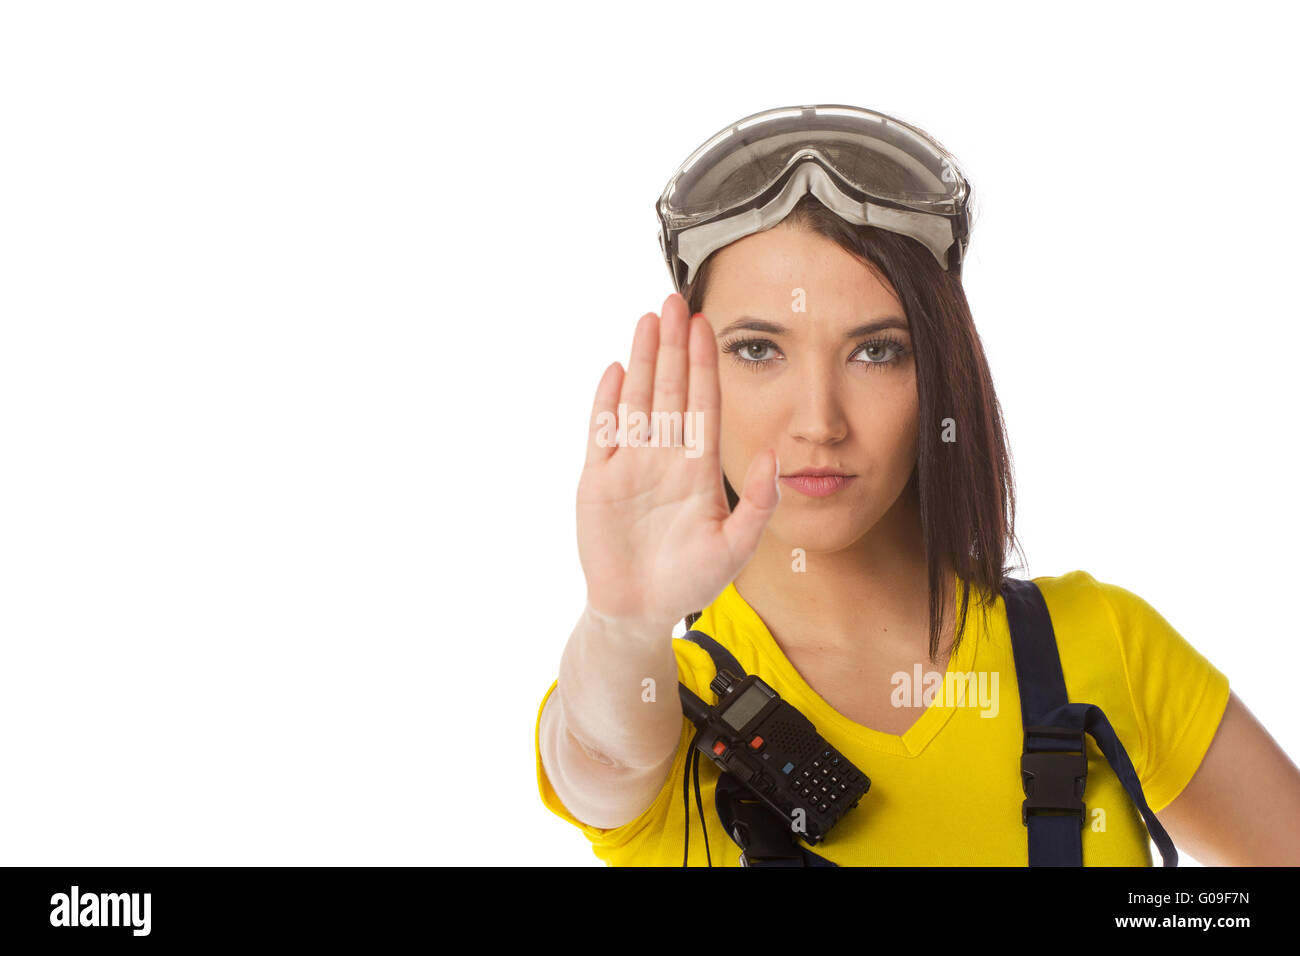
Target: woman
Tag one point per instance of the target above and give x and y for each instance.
(821, 349)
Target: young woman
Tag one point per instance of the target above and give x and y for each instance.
(822, 358)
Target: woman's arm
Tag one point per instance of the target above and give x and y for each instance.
(607, 750)
(1242, 806)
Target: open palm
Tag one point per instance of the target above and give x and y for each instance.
(655, 536)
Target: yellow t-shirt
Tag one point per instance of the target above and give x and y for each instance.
(948, 792)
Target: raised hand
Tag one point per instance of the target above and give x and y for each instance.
(655, 536)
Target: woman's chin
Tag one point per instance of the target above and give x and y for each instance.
(825, 533)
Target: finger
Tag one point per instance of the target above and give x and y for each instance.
(639, 381)
(757, 504)
(703, 420)
(602, 429)
(671, 370)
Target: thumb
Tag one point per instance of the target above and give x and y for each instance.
(758, 501)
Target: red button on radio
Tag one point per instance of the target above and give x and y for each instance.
(756, 742)
(719, 748)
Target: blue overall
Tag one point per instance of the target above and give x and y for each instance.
(1053, 767)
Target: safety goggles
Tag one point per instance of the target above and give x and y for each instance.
(869, 168)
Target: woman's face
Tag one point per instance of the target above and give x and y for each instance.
(816, 363)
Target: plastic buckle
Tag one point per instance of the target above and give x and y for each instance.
(1054, 779)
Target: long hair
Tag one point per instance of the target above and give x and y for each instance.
(965, 486)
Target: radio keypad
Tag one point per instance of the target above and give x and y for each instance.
(822, 781)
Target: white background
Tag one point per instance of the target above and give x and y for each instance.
(304, 305)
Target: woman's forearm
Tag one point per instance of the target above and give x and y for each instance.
(610, 729)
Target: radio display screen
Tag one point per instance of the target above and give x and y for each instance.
(743, 710)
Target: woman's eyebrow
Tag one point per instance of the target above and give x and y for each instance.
(776, 328)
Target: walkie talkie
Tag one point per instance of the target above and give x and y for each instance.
(777, 753)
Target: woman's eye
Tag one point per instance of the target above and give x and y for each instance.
(755, 351)
(886, 352)
(758, 353)
(751, 353)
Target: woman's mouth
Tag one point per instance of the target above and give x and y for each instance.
(817, 482)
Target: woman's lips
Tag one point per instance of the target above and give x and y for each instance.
(817, 486)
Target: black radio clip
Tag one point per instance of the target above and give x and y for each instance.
(778, 755)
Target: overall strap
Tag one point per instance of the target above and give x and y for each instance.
(763, 839)
(1054, 765)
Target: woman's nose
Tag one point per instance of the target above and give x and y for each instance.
(818, 416)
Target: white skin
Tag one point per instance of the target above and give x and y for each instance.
(825, 393)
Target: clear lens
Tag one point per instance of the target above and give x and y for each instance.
(877, 155)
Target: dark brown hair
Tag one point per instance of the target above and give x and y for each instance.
(966, 490)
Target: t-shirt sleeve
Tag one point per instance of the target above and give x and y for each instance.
(1179, 697)
(689, 671)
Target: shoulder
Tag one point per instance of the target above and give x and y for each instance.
(1100, 612)
(1084, 622)
(1088, 642)
(732, 624)
(1101, 616)
(1078, 592)
(1075, 593)
(1162, 695)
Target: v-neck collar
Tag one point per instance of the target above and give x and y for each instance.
(912, 742)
